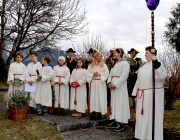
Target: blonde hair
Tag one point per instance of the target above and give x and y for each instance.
(101, 64)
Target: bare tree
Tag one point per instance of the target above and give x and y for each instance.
(38, 23)
(94, 41)
(170, 59)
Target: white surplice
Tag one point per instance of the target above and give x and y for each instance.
(16, 70)
(32, 76)
(143, 129)
(61, 91)
(119, 96)
(79, 75)
(43, 93)
(98, 89)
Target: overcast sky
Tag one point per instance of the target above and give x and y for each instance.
(128, 22)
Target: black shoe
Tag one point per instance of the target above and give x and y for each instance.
(119, 127)
(112, 125)
(55, 111)
(99, 117)
(92, 117)
(61, 112)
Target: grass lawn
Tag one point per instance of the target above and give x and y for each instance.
(3, 84)
(31, 129)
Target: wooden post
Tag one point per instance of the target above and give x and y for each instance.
(153, 76)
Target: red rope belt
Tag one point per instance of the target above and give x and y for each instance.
(75, 101)
(90, 94)
(13, 84)
(111, 94)
(59, 92)
(139, 96)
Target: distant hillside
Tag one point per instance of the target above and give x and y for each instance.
(53, 53)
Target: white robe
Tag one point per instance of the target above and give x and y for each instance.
(43, 93)
(16, 68)
(98, 89)
(63, 99)
(119, 96)
(79, 75)
(143, 129)
(32, 76)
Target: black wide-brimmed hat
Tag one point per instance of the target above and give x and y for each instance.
(91, 50)
(132, 50)
(70, 50)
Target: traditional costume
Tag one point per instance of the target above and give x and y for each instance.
(17, 72)
(119, 103)
(44, 93)
(97, 89)
(144, 93)
(135, 64)
(61, 74)
(32, 76)
(70, 64)
(78, 94)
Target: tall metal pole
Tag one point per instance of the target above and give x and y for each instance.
(153, 77)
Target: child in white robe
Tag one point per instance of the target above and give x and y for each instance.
(78, 89)
(32, 77)
(61, 80)
(119, 100)
(97, 74)
(43, 97)
(17, 74)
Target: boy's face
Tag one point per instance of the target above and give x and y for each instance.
(18, 59)
(33, 58)
(44, 62)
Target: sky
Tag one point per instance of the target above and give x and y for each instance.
(125, 23)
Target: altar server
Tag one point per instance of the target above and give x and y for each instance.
(119, 101)
(97, 75)
(143, 91)
(31, 78)
(78, 89)
(61, 80)
(43, 96)
(16, 75)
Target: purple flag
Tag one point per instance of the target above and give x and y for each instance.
(152, 4)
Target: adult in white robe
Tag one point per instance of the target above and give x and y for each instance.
(144, 93)
(61, 74)
(97, 88)
(79, 93)
(44, 93)
(119, 101)
(16, 70)
(32, 76)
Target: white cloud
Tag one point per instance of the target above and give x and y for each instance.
(126, 21)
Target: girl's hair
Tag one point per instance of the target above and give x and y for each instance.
(101, 64)
(80, 59)
(121, 51)
(63, 63)
(149, 48)
(20, 54)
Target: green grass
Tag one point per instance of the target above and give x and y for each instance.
(32, 128)
(3, 84)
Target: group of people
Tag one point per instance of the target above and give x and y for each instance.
(109, 83)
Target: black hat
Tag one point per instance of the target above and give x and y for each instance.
(91, 50)
(70, 50)
(132, 50)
